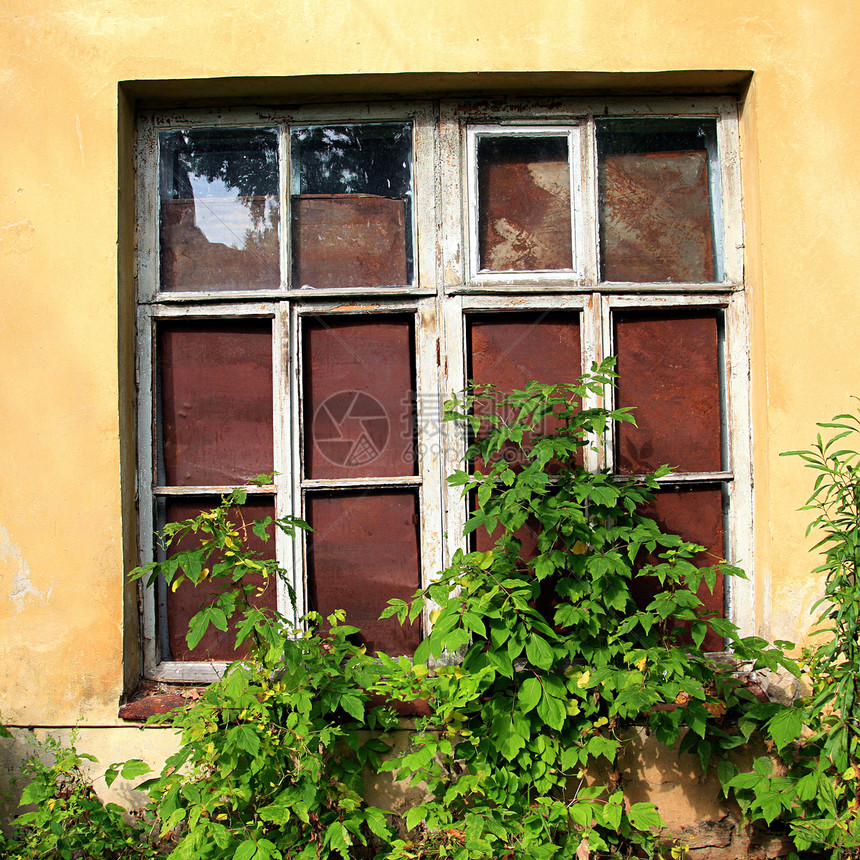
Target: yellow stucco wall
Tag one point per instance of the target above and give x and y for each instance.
(65, 242)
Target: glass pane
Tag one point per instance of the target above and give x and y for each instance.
(177, 607)
(658, 188)
(509, 350)
(215, 402)
(220, 209)
(358, 396)
(352, 205)
(669, 370)
(364, 550)
(524, 204)
(696, 514)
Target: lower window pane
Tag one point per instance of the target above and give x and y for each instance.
(364, 549)
(215, 387)
(176, 608)
(669, 371)
(509, 350)
(358, 404)
(696, 514)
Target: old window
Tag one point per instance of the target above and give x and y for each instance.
(314, 283)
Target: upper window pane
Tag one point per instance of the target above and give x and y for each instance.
(352, 205)
(219, 210)
(524, 220)
(658, 207)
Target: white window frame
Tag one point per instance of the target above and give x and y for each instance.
(447, 286)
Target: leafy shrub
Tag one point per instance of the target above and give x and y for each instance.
(555, 657)
(537, 665)
(69, 821)
(272, 755)
(816, 788)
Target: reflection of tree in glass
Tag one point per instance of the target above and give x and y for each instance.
(371, 158)
(245, 161)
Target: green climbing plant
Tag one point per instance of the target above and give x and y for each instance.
(540, 662)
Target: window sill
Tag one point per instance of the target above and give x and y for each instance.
(152, 698)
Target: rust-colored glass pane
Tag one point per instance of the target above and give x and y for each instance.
(178, 607)
(512, 349)
(363, 551)
(696, 514)
(352, 205)
(524, 204)
(655, 200)
(358, 396)
(215, 398)
(669, 369)
(220, 210)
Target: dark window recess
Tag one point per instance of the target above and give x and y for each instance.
(524, 203)
(364, 550)
(656, 209)
(215, 402)
(669, 370)
(176, 608)
(220, 210)
(358, 397)
(352, 205)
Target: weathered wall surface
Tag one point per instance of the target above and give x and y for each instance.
(67, 628)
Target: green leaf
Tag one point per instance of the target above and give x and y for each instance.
(552, 711)
(338, 839)
(423, 651)
(613, 810)
(353, 706)
(134, 768)
(245, 739)
(726, 771)
(507, 738)
(260, 528)
(539, 652)
(218, 618)
(643, 816)
(698, 632)
(197, 628)
(246, 851)
(763, 766)
(111, 774)
(703, 749)
(474, 623)
(415, 816)
(785, 727)
(529, 694)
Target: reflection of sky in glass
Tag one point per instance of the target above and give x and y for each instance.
(219, 213)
